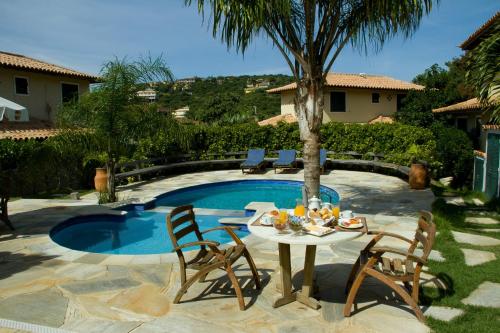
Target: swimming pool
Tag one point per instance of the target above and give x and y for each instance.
(135, 233)
(144, 231)
(235, 195)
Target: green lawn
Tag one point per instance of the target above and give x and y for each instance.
(461, 279)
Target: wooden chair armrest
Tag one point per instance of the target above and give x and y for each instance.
(381, 234)
(382, 250)
(229, 230)
(211, 244)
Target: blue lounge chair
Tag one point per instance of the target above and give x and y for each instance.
(286, 160)
(254, 161)
(322, 160)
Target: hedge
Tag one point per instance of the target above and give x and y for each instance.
(68, 161)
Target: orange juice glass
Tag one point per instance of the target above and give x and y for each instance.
(336, 211)
(299, 210)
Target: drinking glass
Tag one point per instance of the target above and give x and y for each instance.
(299, 210)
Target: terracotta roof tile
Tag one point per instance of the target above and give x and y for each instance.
(22, 62)
(287, 118)
(362, 81)
(472, 105)
(33, 129)
(382, 119)
(472, 40)
(491, 127)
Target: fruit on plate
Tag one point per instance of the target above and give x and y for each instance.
(274, 213)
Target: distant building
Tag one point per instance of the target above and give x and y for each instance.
(181, 113)
(148, 94)
(258, 84)
(353, 98)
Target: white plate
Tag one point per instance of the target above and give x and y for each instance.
(350, 226)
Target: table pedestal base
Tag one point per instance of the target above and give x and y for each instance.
(303, 296)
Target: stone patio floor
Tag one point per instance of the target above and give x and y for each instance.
(45, 284)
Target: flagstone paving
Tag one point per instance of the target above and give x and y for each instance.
(43, 283)
(487, 294)
(477, 257)
(481, 220)
(478, 240)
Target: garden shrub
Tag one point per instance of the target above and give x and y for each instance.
(454, 150)
(68, 161)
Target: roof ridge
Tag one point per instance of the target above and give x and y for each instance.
(78, 72)
(472, 37)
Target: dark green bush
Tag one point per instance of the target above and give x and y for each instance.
(455, 152)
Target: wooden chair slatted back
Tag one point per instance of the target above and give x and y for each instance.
(182, 216)
(425, 234)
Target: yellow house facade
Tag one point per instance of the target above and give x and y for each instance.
(39, 86)
(354, 98)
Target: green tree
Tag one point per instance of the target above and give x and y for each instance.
(310, 34)
(442, 87)
(484, 72)
(113, 112)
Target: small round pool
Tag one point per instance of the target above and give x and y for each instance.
(137, 232)
(144, 231)
(235, 195)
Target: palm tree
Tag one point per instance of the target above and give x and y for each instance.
(484, 72)
(310, 34)
(113, 112)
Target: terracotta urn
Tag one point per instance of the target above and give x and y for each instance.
(101, 180)
(418, 176)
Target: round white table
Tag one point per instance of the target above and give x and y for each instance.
(284, 241)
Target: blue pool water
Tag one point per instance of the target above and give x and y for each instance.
(144, 231)
(237, 194)
(136, 233)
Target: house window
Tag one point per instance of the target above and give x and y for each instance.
(69, 92)
(337, 101)
(21, 85)
(375, 97)
(399, 101)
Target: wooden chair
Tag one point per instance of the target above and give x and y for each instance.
(389, 271)
(206, 260)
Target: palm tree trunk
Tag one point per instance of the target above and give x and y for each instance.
(110, 168)
(309, 110)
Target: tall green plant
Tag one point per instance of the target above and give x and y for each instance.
(484, 72)
(113, 112)
(310, 34)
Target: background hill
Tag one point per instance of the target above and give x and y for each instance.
(224, 99)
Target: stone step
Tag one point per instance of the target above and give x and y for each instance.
(234, 220)
(462, 237)
(481, 220)
(477, 257)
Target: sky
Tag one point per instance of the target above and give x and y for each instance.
(84, 34)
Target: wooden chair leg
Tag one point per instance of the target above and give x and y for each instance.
(236, 286)
(185, 286)
(352, 293)
(203, 277)
(398, 289)
(415, 287)
(255, 274)
(352, 275)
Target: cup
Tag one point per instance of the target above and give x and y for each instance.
(267, 219)
(346, 214)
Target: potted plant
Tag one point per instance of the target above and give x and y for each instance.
(419, 174)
